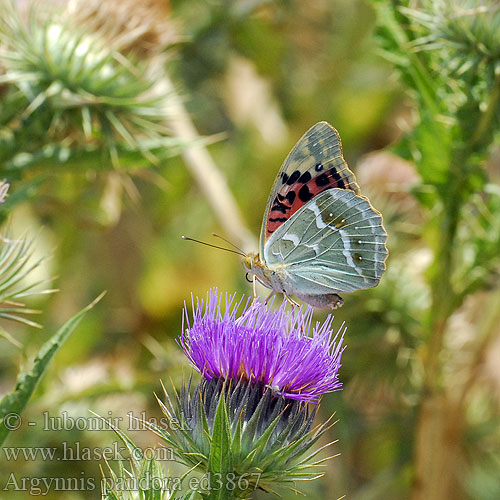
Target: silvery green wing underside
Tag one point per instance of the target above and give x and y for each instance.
(335, 243)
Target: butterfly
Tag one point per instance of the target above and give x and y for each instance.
(319, 236)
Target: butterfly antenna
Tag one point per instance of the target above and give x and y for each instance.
(214, 246)
(228, 242)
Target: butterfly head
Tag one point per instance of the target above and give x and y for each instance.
(254, 266)
(251, 261)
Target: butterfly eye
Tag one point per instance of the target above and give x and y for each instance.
(247, 263)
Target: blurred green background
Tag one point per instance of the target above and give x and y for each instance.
(97, 109)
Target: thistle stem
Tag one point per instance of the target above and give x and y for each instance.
(488, 115)
(440, 420)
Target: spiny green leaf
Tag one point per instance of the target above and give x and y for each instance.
(27, 381)
(236, 441)
(220, 458)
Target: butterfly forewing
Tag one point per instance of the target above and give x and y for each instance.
(314, 165)
(334, 243)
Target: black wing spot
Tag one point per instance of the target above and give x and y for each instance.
(284, 178)
(305, 177)
(290, 196)
(279, 207)
(304, 193)
(280, 197)
(322, 180)
(318, 167)
(293, 178)
(278, 219)
(333, 172)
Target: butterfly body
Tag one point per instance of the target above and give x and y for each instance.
(320, 236)
(278, 280)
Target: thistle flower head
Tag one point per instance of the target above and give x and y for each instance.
(270, 347)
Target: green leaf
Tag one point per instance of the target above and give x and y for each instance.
(220, 458)
(236, 443)
(261, 443)
(152, 488)
(145, 480)
(27, 382)
(250, 431)
(433, 140)
(188, 496)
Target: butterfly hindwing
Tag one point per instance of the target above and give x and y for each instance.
(333, 243)
(314, 165)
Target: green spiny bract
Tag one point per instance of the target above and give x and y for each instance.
(268, 436)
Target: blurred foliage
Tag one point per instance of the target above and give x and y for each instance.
(86, 147)
(71, 98)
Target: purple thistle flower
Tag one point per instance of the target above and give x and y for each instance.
(272, 347)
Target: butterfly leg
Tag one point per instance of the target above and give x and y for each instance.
(254, 286)
(269, 297)
(291, 301)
